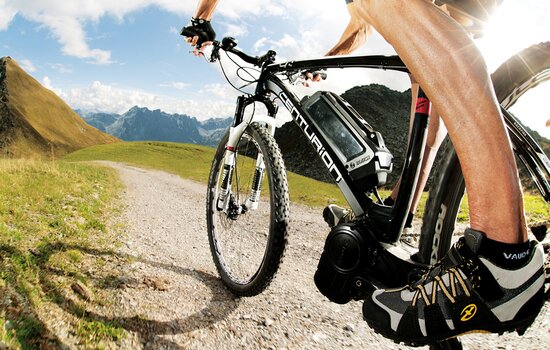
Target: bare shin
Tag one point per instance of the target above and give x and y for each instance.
(452, 72)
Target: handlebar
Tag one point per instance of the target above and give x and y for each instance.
(228, 44)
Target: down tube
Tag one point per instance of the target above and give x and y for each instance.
(357, 199)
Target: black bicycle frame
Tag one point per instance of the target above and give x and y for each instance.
(389, 221)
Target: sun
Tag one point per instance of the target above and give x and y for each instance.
(515, 26)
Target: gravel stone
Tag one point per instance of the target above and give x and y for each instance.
(166, 240)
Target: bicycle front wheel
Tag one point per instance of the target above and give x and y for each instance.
(248, 212)
(517, 76)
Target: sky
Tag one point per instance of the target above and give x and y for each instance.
(109, 55)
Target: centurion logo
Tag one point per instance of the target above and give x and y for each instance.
(313, 139)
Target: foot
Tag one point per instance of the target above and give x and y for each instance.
(465, 292)
(335, 215)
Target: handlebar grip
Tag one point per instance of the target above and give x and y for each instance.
(244, 57)
(228, 44)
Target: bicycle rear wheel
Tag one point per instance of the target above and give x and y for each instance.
(247, 240)
(514, 78)
(519, 74)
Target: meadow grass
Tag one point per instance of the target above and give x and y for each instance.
(44, 207)
(52, 214)
(193, 162)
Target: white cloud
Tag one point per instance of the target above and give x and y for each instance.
(66, 19)
(46, 81)
(179, 85)
(28, 66)
(61, 68)
(70, 34)
(236, 9)
(174, 30)
(7, 13)
(223, 91)
(99, 97)
(234, 29)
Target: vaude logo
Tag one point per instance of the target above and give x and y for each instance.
(313, 139)
(516, 256)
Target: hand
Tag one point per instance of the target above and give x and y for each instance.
(199, 33)
(198, 50)
(314, 76)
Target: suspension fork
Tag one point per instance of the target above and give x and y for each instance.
(235, 133)
(254, 198)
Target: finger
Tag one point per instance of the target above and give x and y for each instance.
(194, 41)
(206, 44)
(309, 75)
(316, 77)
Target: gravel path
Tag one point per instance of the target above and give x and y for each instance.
(169, 295)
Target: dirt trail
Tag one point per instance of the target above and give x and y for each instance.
(169, 296)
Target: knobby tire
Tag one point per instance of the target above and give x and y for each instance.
(277, 223)
(511, 80)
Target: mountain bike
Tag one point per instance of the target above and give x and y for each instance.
(248, 202)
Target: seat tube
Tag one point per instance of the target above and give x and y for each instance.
(411, 168)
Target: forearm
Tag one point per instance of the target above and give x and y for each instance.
(353, 37)
(206, 8)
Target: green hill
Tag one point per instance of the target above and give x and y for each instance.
(35, 122)
(193, 162)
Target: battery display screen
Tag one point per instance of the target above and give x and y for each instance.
(334, 129)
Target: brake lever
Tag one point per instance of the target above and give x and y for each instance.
(215, 55)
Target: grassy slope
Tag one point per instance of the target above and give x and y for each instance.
(45, 119)
(51, 214)
(193, 162)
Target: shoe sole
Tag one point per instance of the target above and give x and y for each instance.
(519, 326)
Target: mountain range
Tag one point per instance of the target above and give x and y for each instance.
(35, 122)
(383, 108)
(143, 124)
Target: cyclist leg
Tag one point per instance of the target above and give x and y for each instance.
(492, 282)
(451, 70)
